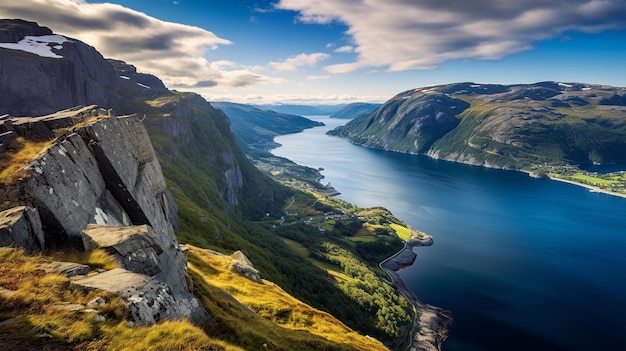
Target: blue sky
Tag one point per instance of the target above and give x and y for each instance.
(314, 51)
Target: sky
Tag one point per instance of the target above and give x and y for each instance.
(342, 51)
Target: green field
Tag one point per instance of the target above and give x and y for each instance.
(592, 180)
(403, 232)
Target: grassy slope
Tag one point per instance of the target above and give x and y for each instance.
(515, 127)
(189, 137)
(33, 321)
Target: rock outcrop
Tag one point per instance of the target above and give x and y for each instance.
(78, 76)
(21, 226)
(242, 265)
(101, 185)
(148, 299)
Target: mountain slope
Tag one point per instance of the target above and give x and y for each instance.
(224, 202)
(355, 110)
(257, 128)
(513, 127)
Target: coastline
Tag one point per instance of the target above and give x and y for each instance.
(590, 187)
(430, 328)
(435, 156)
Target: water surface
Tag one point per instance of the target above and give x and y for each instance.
(522, 263)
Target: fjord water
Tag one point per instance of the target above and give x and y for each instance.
(522, 263)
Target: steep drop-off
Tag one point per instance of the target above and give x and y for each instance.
(224, 202)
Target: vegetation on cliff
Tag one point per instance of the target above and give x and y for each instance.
(226, 204)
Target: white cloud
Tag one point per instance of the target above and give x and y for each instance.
(346, 49)
(174, 52)
(293, 62)
(318, 77)
(400, 35)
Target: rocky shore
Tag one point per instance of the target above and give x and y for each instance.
(432, 323)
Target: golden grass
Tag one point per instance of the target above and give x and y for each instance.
(96, 259)
(12, 163)
(166, 336)
(403, 232)
(36, 297)
(299, 323)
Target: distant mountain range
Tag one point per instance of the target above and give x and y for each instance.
(354, 110)
(303, 110)
(256, 128)
(519, 126)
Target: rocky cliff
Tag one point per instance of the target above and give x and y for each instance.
(99, 185)
(65, 72)
(503, 126)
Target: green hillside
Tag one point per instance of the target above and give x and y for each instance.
(542, 128)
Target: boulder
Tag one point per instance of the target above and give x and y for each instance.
(132, 246)
(149, 300)
(68, 269)
(21, 226)
(242, 265)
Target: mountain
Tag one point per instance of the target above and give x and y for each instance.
(522, 126)
(256, 128)
(354, 110)
(302, 110)
(79, 166)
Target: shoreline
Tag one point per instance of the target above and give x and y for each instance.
(435, 156)
(591, 188)
(431, 325)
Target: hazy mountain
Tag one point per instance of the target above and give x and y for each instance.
(354, 110)
(303, 110)
(256, 128)
(504, 126)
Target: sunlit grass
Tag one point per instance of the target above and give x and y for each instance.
(403, 232)
(36, 301)
(13, 162)
(592, 180)
(301, 326)
(96, 259)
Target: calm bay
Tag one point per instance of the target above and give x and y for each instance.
(522, 263)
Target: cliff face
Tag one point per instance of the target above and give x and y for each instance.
(64, 72)
(84, 189)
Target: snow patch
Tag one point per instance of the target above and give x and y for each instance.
(586, 88)
(39, 45)
(143, 86)
(124, 77)
(565, 85)
(475, 85)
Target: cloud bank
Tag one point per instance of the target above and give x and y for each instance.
(402, 35)
(174, 52)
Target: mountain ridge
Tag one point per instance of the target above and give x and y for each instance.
(503, 126)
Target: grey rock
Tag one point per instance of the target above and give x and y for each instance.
(97, 302)
(81, 77)
(99, 318)
(133, 246)
(134, 177)
(68, 269)
(242, 265)
(64, 184)
(21, 226)
(148, 299)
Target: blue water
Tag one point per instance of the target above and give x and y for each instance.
(522, 263)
